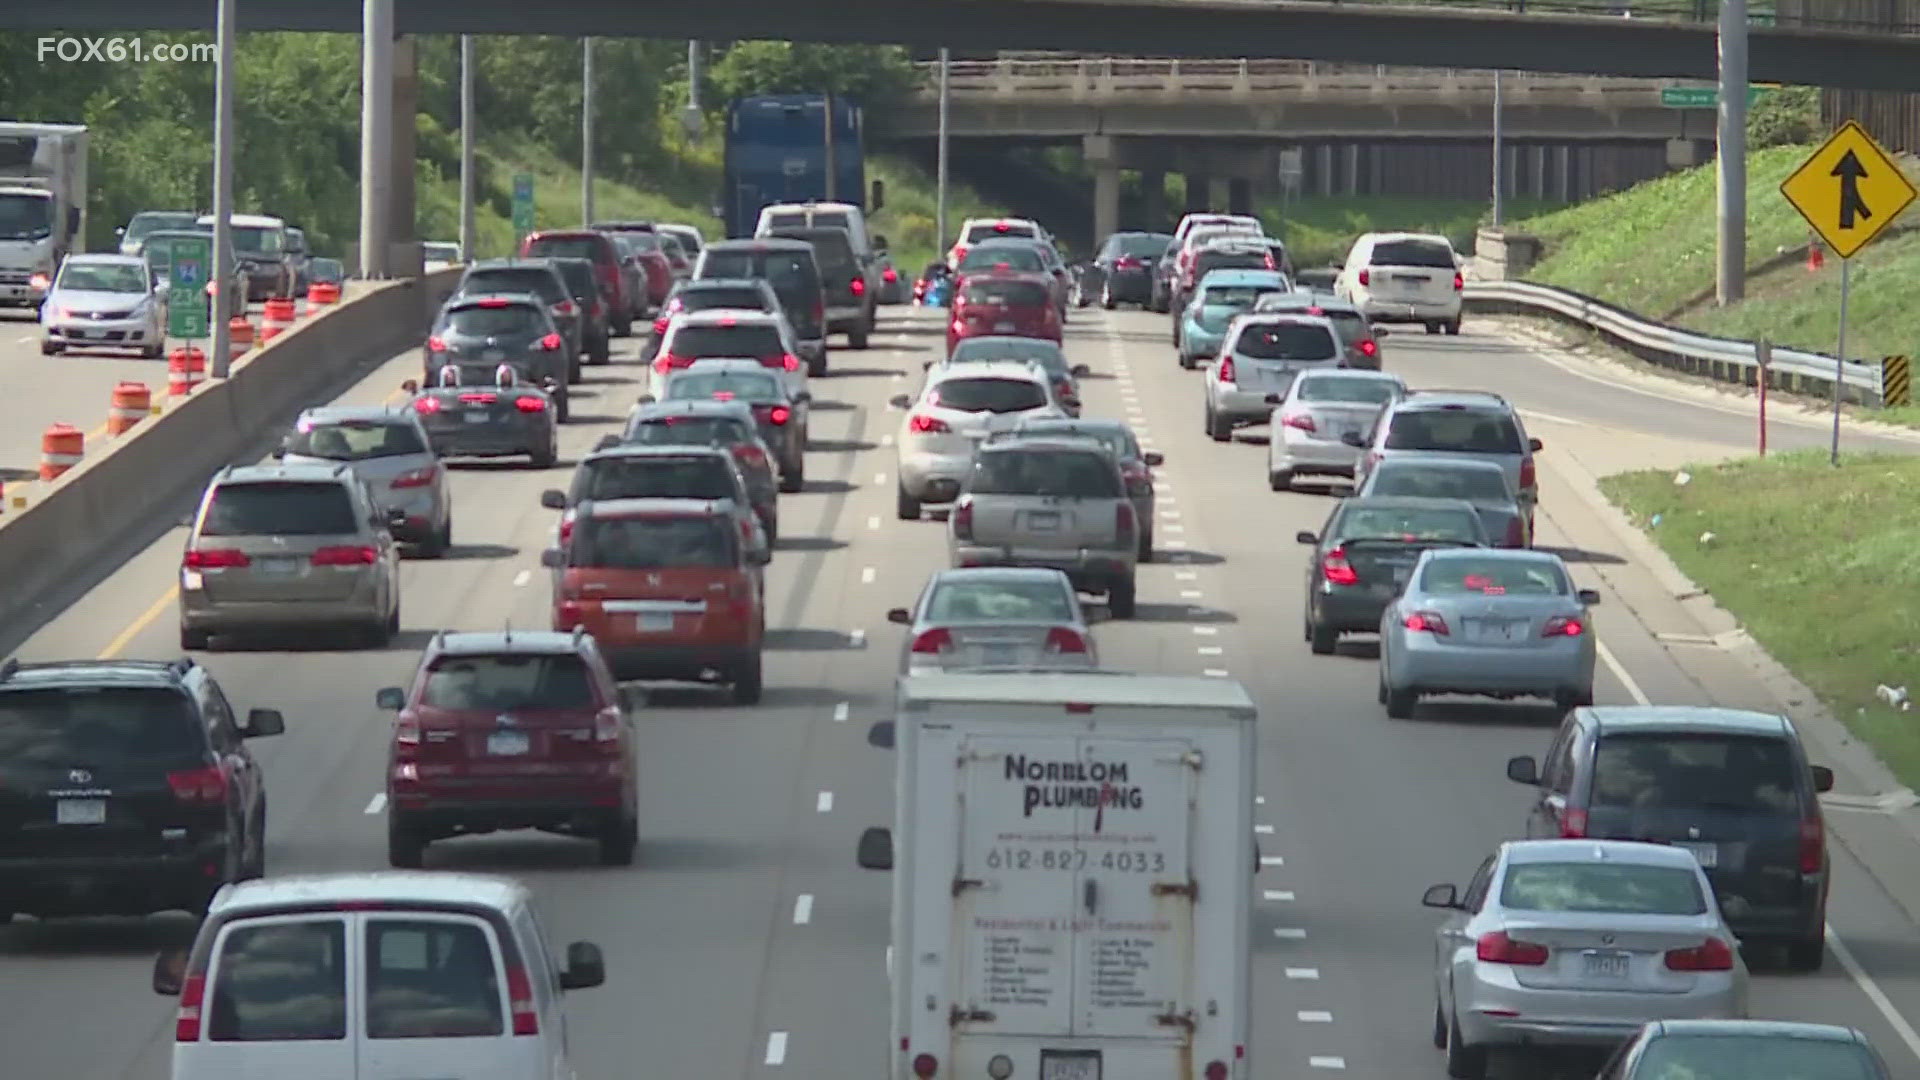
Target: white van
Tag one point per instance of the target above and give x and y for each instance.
(819, 215)
(371, 977)
(1404, 278)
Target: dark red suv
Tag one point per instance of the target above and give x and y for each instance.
(510, 730)
(598, 249)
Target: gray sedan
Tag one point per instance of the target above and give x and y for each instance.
(1498, 623)
(1577, 943)
(1024, 617)
(1443, 476)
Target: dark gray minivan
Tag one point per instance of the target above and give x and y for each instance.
(791, 268)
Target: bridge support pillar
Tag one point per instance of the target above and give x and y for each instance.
(1153, 199)
(1240, 195)
(1106, 202)
(1687, 153)
(403, 242)
(1199, 189)
(1219, 192)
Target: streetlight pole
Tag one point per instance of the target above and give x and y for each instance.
(376, 136)
(467, 225)
(586, 132)
(1499, 153)
(940, 182)
(223, 270)
(1732, 164)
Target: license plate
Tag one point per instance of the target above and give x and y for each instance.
(654, 622)
(1412, 279)
(1606, 965)
(278, 565)
(1494, 629)
(1069, 1065)
(80, 812)
(1708, 855)
(1401, 574)
(507, 743)
(1003, 328)
(997, 655)
(478, 417)
(494, 354)
(1044, 522)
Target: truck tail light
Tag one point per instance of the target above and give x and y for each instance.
(208, 785)
(1813, 846)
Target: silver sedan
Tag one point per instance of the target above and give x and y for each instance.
(1577, 943)
(995, 617)
(1497, 623)
(1310, 420)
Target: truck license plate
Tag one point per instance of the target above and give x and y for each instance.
(1046, 521)
(1606, 965)
(80, 812)
(507, 743)
(1069, 1065)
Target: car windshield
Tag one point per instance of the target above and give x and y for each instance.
(689, 239)
(698, 385)
(988, 395)
(355, 440)
(1427, 254)
(749, 340)
(1285, 341)
(505, 320)
(1345, 389)
(623, 477)
(327, 270)
(509, 682)
(673, 249)
(538, 281)
(1407, 524)
(441, 252)
(640, 241)
(564, 247)
(1235, 295)
(653, 543)
(1754, 1057)
(1439, 482)
(741, 299)
(1611, 888)
(103, 277)
(107, 729)
(1005, 293)
(1460, 430)
(258, 240)
(148, 222)
(1648, 771)
(787, 271)
(687, 431)
(1000, 602)
(283, 508)
(1071, 474)
(1463, 575)
(998, 230)
(1007, 256)
(1019, 350)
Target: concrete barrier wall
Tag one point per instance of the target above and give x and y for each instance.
(128, 489)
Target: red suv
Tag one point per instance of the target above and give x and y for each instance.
(1003, 303)
(510, 730)
(654, 265)
(596, 248)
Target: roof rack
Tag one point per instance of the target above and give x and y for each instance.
(182, 666)
(7, 669)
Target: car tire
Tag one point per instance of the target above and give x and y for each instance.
(195, 640)
(254, 863)
(1464, 1062)
(1323, 640)
(544, 459)
(1187, 363)
(1280, 480)
(1439, 1027)
(603, 351)
(1433, 328)
(1400, 703)
(623, 327)
(380, 634)
(791, 482)
(747, 686)
(1217, 429)
(153, 352)
(905, 506)
(1453, 328)
(561, 412)
(50, 348)
(817, 364)
(406, 849)
(620, 844)
(857, 337)
(1568, 700)
(1145, 554)
(1121, 598)
(436, 545)
(1807, 954)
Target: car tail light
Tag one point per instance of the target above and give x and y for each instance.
(420, 477)
(1426, 622)
(750, 453)
(1061, 639)
(1813, 846)
(208, 785)
(1526, 475)
(1498, 948)
(530, 404)
(1123, 523)
(889, 275)
(1299, 421)
(436, 344)
(959, 252)
(186, 1022)
(668, 361)
(1712, 954)
(479, 399)
(784, 361)
(217, 559)
(1561, 626)
(659, 326)
(858, 286)
(526, 1019)
(937, 640)
(346, 555)
(1226, 369)
(1337, 570)
(564, 307)
(959, 324)
(963, 520)
(551, 342)
(779, 415)
(1459, 282)
(1216, 1070)
(568, 614)
(1271, 265)
(1126, 262)
(426, 405)
(1573, 824)
(406, 731)
(922, 424)
(1366, 276)
(1369, 347)
(925, 1066)
(607, 726)
(1516, 533)
(566, 527)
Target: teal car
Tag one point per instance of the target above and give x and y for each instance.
(1199, 331)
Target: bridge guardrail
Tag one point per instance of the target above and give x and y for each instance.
(1721, 359)
(1259, 74)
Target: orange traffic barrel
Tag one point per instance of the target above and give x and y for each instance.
(130, 404)
(239, 336)
(277, 318)
(61, 448)
(185, 369)
(321, 293)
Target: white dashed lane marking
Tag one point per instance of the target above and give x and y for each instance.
(1272, 860)
(1303, 973)
(377, 803)
(824, 803)
(879, 479)
(1263, 830)
(873, 521)
(1190, 594)
(1277, 896)
(840, 713)
(1290, 933)
(1185, 575)
(803, 909)
(1215, 673)
(776, 1047)
(1314, 1016)
(857, 638)
(1206, 631)
(866, 575)
(520, 579)
(1327, 1062)
(1209, 650)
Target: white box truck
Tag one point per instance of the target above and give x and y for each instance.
(43, 206)
(1073, 861)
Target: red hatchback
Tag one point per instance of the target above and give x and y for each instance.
(510, 730)
(598, 249)
(1003, 303)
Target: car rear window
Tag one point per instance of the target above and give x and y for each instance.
(1007, 293)
(1435, 482)
(710, 299)
(1236, 295)
(1648, 771)
(431, 980)
(1012, 256)
(280, 982)
(1349, 325)
(1286, 341)
(1602, 888)
(1000, 601)
(832, 248)
(566, 247)
(1001, 229)
(1336, 388)
(539, 281)
(355, 440)
(1461, 575)
(508, 681)
(653, 543)
(1421, 253)
(1228, 260)
(580, 279)
(1067, 473)
(1409, 524)
(1119, 441)
(506, 320)
(1142, 245)
(786, 271)
(1477, 431)
(1759, 1056)
(288, 508)
(702, 477)
(1020, 350)
(988, 395)
(750, 341)
(689, 239)
(642, 241)
(104, 728)
(687, 431)
(698, 385)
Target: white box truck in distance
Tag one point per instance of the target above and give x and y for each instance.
(1073, 865)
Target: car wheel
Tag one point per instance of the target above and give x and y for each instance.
(623, 328)
(561, 412)
(857, 337)
(1380, 695)
(153, 352)
(194, 640)
(619, 844)
(1120, 598)
(1322, 639)
(1433, 328)
(746, 680)
(603, 351)
(1187, 363)
(1217, 429)
(1400, 703)
(406, 849)
(793, 480)
(1464, 1062)
(1280, 480)
(436, 545)
(254, 866)
(1439, 1028)
(380, 634)
(50, 348)
(1567, 700)
(905, 506)
(817, 364)
(1453, 328)
(1807, 953)
(1145, 553)
(544, 459)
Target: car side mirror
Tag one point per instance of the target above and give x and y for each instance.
(395, 518)
(1154, 459)
(1307, 538)
(410, 387)
(1276, 399)
(1536, 445)
(120, 230)
(1353, 439)
(1589, 597)
(1822, 779)
(391, 698)
(1441, 896)
(900, 615)
(882, 734)
(645, 399)
(279, 453)
(1081, 371)
(552, 499)
(760, 556)
(169, 972)
(552, 559)
(1523, 770)
(607, 442)
(586, 968)
(262, 723)
(900, 401)
(877, 198)
(876, 849)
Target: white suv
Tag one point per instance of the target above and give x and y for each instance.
(1404, 278)
(727, 334)
(957, 409)
(979, 230)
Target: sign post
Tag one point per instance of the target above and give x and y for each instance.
(522, 206)
(1849, 191)
(1763, 360)
(189, 262)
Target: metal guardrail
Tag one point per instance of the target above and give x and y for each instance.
(1121, 67)
(1108, 76)
(1721, 359)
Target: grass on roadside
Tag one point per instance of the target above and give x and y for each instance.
(1319, 230)
(1818, 563)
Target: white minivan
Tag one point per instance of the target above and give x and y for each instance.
(375, 976)
(1404, 278)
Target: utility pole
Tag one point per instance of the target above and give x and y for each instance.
(218, 340)
(940, 182)
(1499, 154)
(693, 121)
(467, 227)
(376, 137)
(586, 132)
(1731, 283)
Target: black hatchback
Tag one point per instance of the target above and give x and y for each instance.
(1731, 786)
(790, 267)
(596, 311)
(126, 788)
(480, 335)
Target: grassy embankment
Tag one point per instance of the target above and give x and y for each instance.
(1318, 231)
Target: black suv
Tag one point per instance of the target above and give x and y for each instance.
(1731, 786)
(126, 788)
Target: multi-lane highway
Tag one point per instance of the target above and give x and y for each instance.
(746, 944)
